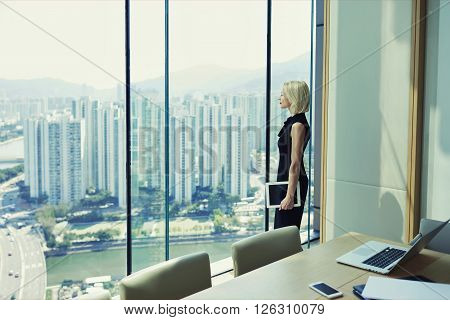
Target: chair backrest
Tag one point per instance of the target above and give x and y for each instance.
(259, 250)
(441, 242)
(97, 295)
(170, 280)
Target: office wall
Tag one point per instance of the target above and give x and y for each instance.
(368, 107)
(436, 142)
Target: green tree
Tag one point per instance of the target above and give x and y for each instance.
(70, 236)
(174, 209)
(97, 199)
(46, 217)
(106, 235)
(9, 173)
(218, 199)
(219, 221)
(149, 198)
(61, 211)
(192, 208)
(51, 242)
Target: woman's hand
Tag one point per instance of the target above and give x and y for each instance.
(287, 203)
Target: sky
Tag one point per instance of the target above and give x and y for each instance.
(83, 41)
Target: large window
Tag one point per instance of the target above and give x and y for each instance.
(216, 132)
(147, 133)
(62, 215)
(63, 134)
(290, 61)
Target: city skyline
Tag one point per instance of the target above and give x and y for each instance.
(211, 139)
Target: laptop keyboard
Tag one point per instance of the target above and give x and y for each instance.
(384, 258)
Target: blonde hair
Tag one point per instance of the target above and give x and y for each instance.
(297, 92)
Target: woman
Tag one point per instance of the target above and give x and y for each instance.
(292, 142)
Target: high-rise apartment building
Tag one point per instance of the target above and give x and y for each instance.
(182, 160)
(105, 150)
(236, 155)
(111, 164)
(209, 129)
(255, 108)
(150, 143)
(70, 162)
(35, 156)
(53, 158)
(92, 141)
(67, 154)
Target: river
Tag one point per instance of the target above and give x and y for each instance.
(79, 266)
(11, 150)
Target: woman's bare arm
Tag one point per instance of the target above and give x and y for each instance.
(298, 137)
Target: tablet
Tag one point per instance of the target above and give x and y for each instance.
(276, 192)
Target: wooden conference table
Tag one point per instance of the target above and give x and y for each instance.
(288, 279)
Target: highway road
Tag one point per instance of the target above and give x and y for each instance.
(8, 283)
(26, 261)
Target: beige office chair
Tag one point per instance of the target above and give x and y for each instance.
(98, 295)
(170, 280)
(257, 251)
(441, 242)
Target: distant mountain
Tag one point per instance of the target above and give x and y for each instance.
(43, 87)
(295, 69)
(208, 78)
(218, 79)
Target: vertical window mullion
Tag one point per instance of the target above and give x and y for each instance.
(311, 85)
(268, 99)
(166, 126)
(128, 133)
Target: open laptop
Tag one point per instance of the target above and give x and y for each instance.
(382, 257)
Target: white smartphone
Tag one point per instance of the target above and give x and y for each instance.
(325, 290)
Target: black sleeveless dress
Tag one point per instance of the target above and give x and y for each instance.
(293, 217)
